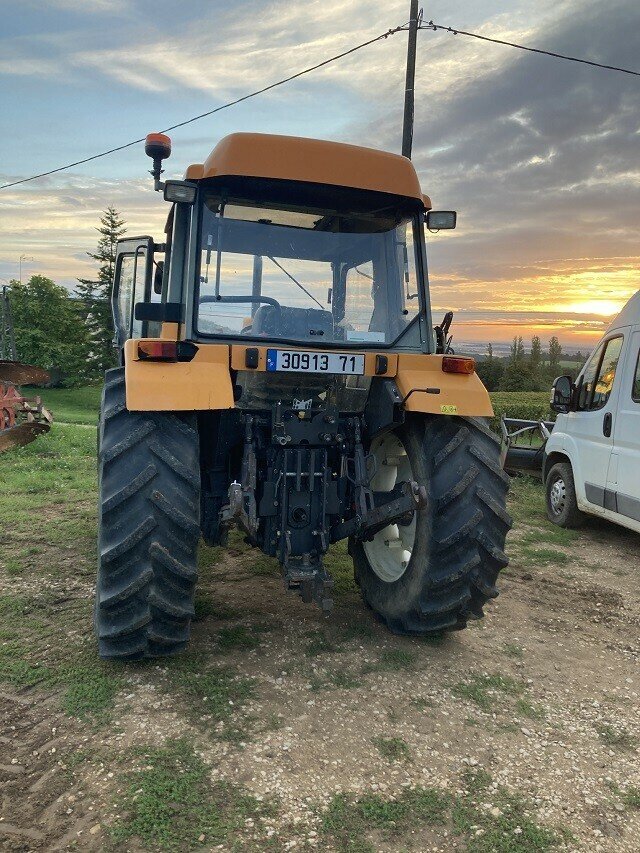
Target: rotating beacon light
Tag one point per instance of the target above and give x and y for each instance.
(158, 147)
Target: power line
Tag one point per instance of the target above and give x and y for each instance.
(254, 94)
(456, 32)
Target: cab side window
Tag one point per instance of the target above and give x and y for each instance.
(599, 375)
(636, 382)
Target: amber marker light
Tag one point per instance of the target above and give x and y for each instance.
(458, 364)
(158, 351)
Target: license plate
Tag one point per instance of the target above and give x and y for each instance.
(295, 361)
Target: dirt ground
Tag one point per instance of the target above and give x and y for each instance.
(523, 729)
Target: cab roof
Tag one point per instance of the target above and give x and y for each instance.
(296, 158)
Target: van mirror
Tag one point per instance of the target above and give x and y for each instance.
(561, 394)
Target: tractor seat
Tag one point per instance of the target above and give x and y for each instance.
(305, 323)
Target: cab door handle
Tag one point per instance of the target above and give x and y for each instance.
(607, 424)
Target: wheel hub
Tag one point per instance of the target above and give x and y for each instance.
(558, 496)
(389, 552)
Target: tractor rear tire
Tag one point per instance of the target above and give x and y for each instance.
(458, 544)
(149, 527)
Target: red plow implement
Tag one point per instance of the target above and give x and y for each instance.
(22, 419)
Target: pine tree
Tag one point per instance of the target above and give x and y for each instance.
(517, 354)
(95, 295)
(555, 354)
(536, 353)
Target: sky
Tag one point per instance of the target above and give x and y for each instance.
(538, 156)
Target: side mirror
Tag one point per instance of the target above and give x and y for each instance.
(157, 277)
(441, 220)
(561, 393)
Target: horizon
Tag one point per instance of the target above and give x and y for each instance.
(537, 155)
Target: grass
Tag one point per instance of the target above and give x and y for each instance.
(320, 644)
(392, 660)
(169, 802)
(238, 637)
(513, 650)
(209, 694)
(616, 736)
(486, 818)
(487, 690)
(392, 748)
(507, 826)
(72, 405)
(347, 821)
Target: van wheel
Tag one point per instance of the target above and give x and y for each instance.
(562, 506)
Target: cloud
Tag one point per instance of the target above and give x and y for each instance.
(538, 155)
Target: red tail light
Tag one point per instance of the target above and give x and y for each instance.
(158, 350)
(458, 364)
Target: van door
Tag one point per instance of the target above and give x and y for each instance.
(626, 476)
(592, 424)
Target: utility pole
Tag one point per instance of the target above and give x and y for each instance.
(407, 125)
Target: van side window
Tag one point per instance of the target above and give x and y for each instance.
(599, 374)
(636, 383)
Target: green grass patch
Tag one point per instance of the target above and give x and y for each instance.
(526, 708)
(506, 826)
(238, 637)
(320, 644)
(338, 562)
(513, 650)
(347, 821)
(616, 736)
(216, 694)
(486, 690)
(72, 405)
(392, 660)
(392, 748)
(631, 797)
(170, 803)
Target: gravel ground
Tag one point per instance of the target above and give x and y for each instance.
(543, 695)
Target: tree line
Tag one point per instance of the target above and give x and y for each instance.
(522, 371)
(69, 335)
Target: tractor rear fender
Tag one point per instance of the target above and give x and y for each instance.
(425, 387)
(201, 384)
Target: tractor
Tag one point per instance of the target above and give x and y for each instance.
(280, 374)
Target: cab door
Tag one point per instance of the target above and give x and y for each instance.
(626, 453)
(591, 425)
(131, 284)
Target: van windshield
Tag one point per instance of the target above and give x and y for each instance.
(306, 275)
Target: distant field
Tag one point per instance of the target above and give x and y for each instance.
(528, 405)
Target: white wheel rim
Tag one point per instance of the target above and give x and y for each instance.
(390, 549)
(558, 496)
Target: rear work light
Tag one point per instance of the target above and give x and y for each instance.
(158, 350)
(458, 364)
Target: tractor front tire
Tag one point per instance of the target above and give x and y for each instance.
(456, 550)
(149, 527)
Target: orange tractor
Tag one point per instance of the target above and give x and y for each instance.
(280, 373)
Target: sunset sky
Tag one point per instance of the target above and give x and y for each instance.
(539, 156)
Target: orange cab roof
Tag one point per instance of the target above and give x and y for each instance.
(294, 158)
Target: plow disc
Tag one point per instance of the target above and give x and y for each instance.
(21, 419)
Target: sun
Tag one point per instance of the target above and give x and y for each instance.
(602, 307)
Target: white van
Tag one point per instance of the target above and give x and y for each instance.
(592, 457)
